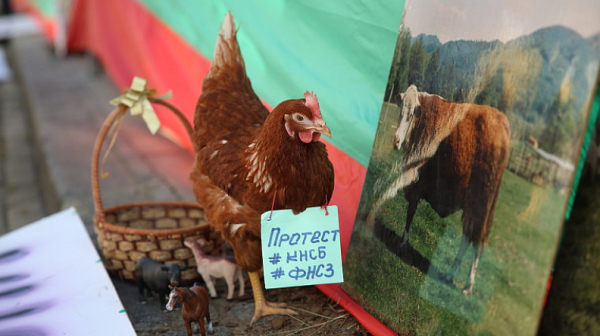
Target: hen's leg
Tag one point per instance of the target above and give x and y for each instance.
(261, 306)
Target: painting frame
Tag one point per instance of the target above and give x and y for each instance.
(401, 276)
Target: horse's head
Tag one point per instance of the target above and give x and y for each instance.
(410, 108)
(175, 297)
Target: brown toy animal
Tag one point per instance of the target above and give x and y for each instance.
(195, 306)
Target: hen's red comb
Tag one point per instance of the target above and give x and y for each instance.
(313, 104)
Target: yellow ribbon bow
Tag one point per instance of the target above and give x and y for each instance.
(136, 98)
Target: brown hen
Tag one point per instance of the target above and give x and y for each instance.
(248, 159)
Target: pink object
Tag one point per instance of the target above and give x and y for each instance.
(313, 104)
(214, 267)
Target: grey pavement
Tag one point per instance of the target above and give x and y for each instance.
(19, 183)
(52, 111)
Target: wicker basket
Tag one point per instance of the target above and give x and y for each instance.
(126, 233)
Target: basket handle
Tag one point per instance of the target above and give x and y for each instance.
(114, 115)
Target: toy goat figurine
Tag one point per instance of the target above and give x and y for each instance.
(195, 306)
(214, 267)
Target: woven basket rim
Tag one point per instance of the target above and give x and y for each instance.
(106, 226)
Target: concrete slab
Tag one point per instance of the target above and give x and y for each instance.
(20, 195)
(17, 25)
(69, 103)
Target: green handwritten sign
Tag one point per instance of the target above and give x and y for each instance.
(303, 249)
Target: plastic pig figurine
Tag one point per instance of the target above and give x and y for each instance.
(156, 277)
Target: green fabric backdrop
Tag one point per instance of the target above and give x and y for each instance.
(362, 33)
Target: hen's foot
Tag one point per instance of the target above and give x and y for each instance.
(261, 306)
(270, 308)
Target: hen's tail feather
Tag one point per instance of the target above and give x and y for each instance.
(227, 49)
(228, 30)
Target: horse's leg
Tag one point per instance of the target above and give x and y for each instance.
(407, 178)
(389, 193)
(201, 326)
(210, 326)
(410, 213)
(469, 286)
(188, 327)
(464, 243)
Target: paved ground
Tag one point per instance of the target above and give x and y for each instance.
(50, 113)
(20, 195)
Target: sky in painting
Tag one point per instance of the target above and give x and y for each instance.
(502, 20)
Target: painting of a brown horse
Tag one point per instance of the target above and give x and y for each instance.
(195, 306)
(453, 157)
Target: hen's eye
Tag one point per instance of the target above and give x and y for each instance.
(299, 117)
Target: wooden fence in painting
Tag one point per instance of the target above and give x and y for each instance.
(538, 166)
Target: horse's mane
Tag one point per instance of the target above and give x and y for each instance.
(187, 290)
(438, 118)
(191, 292)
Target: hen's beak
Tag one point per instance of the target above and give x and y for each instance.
(324, 130)
(320, 127)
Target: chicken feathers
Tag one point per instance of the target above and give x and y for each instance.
(246, 157)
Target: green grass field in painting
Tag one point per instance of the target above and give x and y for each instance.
(399, 285)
